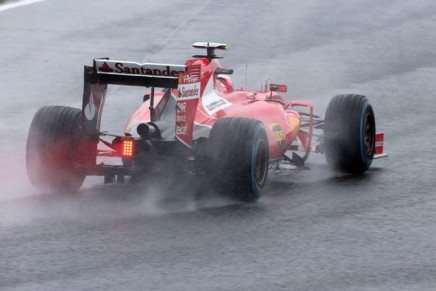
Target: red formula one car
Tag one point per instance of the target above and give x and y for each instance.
(200, 124)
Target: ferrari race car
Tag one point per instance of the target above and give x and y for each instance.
(197, 123)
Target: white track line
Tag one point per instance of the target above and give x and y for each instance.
(18, 4)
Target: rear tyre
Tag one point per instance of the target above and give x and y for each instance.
(57, 151)
(240, 157)
(349, 133)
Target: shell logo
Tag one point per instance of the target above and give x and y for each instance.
(294, 123)
(278, 134)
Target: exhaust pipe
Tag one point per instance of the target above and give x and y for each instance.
(148, 130)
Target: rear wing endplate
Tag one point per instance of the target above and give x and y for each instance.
(105, 71)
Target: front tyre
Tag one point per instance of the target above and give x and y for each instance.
(349, 134)
(240, 157)
(57, 151)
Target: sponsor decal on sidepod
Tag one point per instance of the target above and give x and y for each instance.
(278, 134)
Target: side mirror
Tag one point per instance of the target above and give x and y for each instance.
(278, 88)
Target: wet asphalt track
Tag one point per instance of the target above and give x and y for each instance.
(312, 231)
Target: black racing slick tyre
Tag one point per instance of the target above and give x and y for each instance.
(57, 151)
(349, 134)
(240, 157)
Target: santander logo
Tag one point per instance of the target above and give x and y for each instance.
(105, 68)
(132, 68)
(190, 91)
(189, 86)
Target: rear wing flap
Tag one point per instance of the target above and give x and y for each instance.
(105, 71)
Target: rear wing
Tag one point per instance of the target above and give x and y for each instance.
(105, 71)
(135, 74)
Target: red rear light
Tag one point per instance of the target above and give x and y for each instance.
(128, 146)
